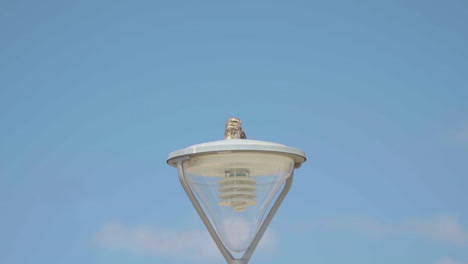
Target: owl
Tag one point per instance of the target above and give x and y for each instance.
(234, 129)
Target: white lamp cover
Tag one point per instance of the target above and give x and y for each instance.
(236, 189)
(236, 181)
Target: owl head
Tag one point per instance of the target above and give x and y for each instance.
(233, 122)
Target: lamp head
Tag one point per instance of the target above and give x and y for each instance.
(236, 181)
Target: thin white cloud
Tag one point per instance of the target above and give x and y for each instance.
(236, 233)
(443, 228)
(449, 261)
(167, 243)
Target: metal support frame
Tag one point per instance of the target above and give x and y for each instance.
(226, 254)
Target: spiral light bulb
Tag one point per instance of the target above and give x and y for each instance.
(237, 189)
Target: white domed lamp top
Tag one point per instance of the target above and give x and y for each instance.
(237, 145)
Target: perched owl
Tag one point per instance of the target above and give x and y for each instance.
(234, 129)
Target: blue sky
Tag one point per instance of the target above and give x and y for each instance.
(95, 94)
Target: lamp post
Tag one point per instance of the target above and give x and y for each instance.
(235, 180)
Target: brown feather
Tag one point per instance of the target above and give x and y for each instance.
(234, 129)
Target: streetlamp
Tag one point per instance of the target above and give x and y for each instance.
(236, 180)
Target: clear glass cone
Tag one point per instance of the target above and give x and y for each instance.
(236, 189)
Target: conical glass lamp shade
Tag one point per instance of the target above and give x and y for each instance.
(236, 188)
